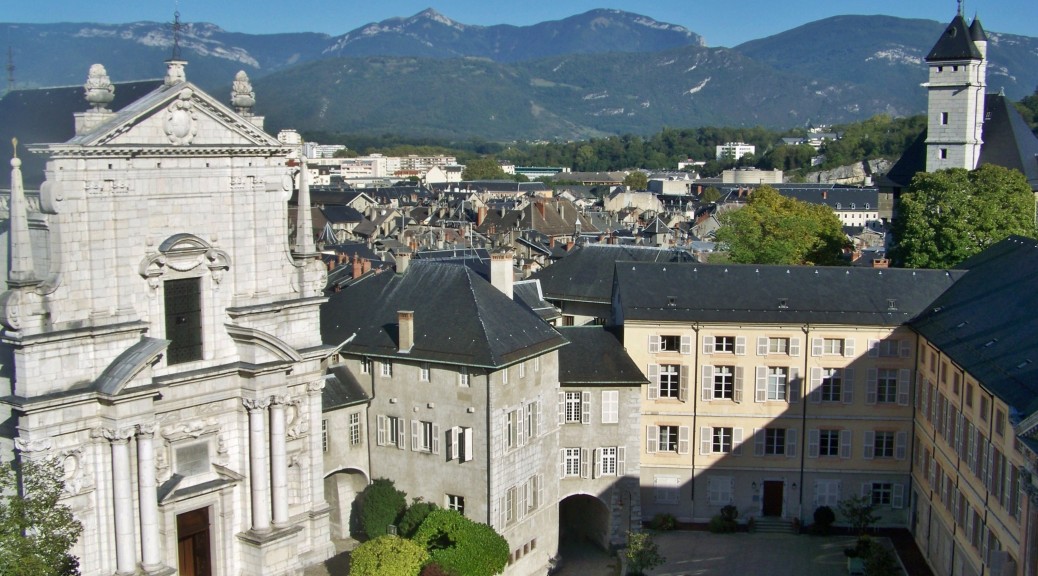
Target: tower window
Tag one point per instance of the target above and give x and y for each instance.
(944, 118)
(183, 300)
(943, 153)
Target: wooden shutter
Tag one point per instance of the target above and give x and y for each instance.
(871, 377)
(759, 436)
(870, 445)
(794, 385)
(736, 440)
(562, 408)
(706, 440)
(813, 442)
(400, 443)
(737, 387)
(873, 348)
(466, 444)
(652, 439)
(452, 443)
(708, 344)
(814, 395)
(683, 440)
(596, 471)
(847, 384)
(905, 347)
(435, 438)
(897, 499)
(794, 346)
(740, 345)
(707, 384)
(791, 442)
(415, 431)
(562, 463)
(901, 445)
(585, 407)
(848, 348)
(686, 344)
(585, 463)
(683, 383)
(621, 460)
(816, 346)
(845, 443)
(760, 393)
(654, 381)
(762, 346)
(903, 377)
(654, 344)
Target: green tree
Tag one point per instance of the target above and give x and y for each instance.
(414, 516)
(642, 553)
(710, 195)
(773, 229)
(387, 555)
(857, 511)
(380, 504)
(36, 529)
(483, 169)
(950, 215)
(636, 180)
(462, 546)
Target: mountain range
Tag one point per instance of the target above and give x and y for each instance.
(598, 73)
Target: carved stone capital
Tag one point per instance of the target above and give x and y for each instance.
(280, 400)
(315, 387)
(147, 429)
(31, 446)
(252, 404)
(116, 435)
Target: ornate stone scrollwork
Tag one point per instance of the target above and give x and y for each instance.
(252, 404)
(297, 418)
(315, 386)
(33, 446)
(76, 476)
(194, 428)
(181, 123)
(116, 435)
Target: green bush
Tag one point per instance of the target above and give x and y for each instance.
(413, 517)
(824, 518)
(387, 556)
(729, 513)
(663, 522)
(720, 525)
(879, 561)
(642, 553)
(461, 546)
(380, 504)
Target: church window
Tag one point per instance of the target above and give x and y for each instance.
(183, 299)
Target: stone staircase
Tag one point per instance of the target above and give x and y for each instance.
(772, 525)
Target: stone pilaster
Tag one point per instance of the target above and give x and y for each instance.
(279, 461)
(258, 477)
(151, 559)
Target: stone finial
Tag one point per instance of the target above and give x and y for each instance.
(175, 72)
(99, 88)
(243, 98)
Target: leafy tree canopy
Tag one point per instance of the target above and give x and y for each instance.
(483, 169)
(773, 229)
(380, 504)
(950, 215)
(36, 529)
(462, 546)
(388, 555)
(637, 180)
(710, 195)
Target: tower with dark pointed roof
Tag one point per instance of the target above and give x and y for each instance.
(958, 67)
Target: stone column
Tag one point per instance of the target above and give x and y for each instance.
(148, 497)
(313, 392)
(258, 472)
(279, 461)
(122, 496)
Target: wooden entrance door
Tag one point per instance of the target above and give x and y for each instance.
(193, 543)
(772, 498)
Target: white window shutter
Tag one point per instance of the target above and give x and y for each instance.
(758, 441)
(816, 346)
(870, 445)
(707, 384)
(761, 390)
(683, 440)
(794, 346)
(871, 377)
(562, 408)
(683, 383)
(905, 347)
(708, 344)
(562, 463)
(814, 395)
(414, 434)
(654, 344)
(585, 407)
(848, 386)
(845, 443)
(540, 417)
(901, 445)
(435, 438)
(791, 442)
(400, 434)
(762, 346)
(740, 345)
(794, 385)
(466, 450)
(654, 381)
(866, 490)
(737, 389)
(610, 406)
(597, 470)
(848, 348)
(686, 344)
(873, 348)
(706, 440)
(621, 460)
(813, 442)
(903, 377)
(736, 440)
(652, 438)
(539, 489)
(585, 463)
(380, 423)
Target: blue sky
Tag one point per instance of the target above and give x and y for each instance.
(725, 23)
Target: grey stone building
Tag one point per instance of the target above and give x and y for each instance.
(161, 347)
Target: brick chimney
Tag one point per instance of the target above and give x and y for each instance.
(481, 215)
(356, 266)
(405, 324)
(880, 263)
(403, 260)
(366, 265)
(502, 272)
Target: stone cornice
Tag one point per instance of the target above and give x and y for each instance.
(58, 151)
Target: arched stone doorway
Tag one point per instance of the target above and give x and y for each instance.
(584, 518)
(340, 490)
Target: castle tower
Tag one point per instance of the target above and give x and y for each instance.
(956, 89)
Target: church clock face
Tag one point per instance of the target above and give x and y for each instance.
(181, 125)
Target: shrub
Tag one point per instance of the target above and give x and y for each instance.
(663, 522)
(720, 525)
(642, 553)
(879, 561)
(413, 517)
(729, 513)
(380, 505)
(461, 546)
(824, 518)
(434, 569)
(387, 556)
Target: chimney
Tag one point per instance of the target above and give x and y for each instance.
(331, 265)
(366, 265)
(502, 272)
(356, 265)
(405, 325)
(481, 215)
(342, 257)
(569, 246)
(403, 259)
(825, 194)
(880, 263)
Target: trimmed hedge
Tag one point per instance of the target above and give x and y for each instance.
(461, 546)
(387, 556)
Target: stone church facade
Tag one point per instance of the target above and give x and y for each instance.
(159, 338)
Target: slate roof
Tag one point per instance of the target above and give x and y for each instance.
(586, 273)
(459, 318)
(595, 357)
(339, 214)
(529, 293)
(45, 115)
(775, 294)
(341, 389)
(955, 44)
(986, 322)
